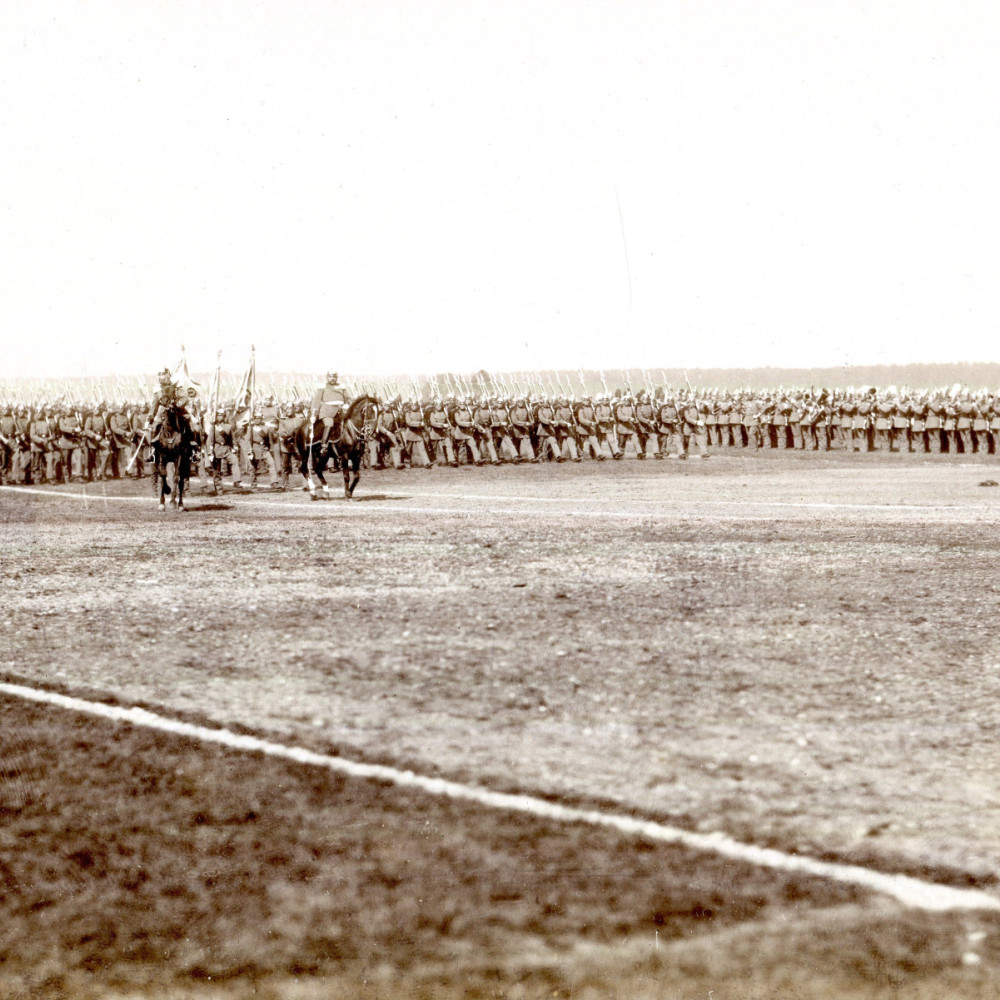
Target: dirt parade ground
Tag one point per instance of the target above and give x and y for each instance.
(791, 652)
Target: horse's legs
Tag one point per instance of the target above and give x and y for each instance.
(306, 473)
(180, 481)
(355, 466)
(319, 467)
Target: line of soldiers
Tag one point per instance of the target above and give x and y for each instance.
(671, 424)
(64, 441)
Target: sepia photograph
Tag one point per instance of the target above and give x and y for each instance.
(498, 501)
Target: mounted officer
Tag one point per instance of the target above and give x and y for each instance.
(328, 404)
(167, 395)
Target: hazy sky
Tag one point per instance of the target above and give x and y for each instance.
(389, 187)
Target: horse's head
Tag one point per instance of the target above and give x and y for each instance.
(363, 414)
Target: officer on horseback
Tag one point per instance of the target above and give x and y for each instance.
(328, 403)
(165, 396)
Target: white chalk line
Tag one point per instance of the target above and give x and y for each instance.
(353, 509)
(911, 892)
(681, 502)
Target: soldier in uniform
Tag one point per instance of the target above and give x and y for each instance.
(119, 439)
(935, 422)
(626, 427)
(918, 424)
(328, 403)
(586, 421)
(604, 415)
(723, 420)
(964, 414)
(710, 420)
(545, 432)
(43, 455)
(501, 430)
(270, 414)
(848, 411)
(439, 431)
(949, 427)
(780, 423)
(6, 441)
(69, 444)
(994, 422)
(668, 427)
(645, 422)
(482, 418)
(95, 435)
(752, 433)
(882, 412)
(691, 427)
(140, 443)
(980, 425)
(168, 394)
(387, 439)
(220, 435)
(521, 425)
(287, 433)
(20, 459)
(566, 430)
(464, 433)
(260, 457)
(900, 435)
(413, 434)
(863, 422)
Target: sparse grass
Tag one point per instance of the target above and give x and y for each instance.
(810, 678)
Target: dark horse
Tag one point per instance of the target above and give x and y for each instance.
(345, 449)
(172, 444)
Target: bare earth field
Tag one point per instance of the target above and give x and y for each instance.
(800, 651)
